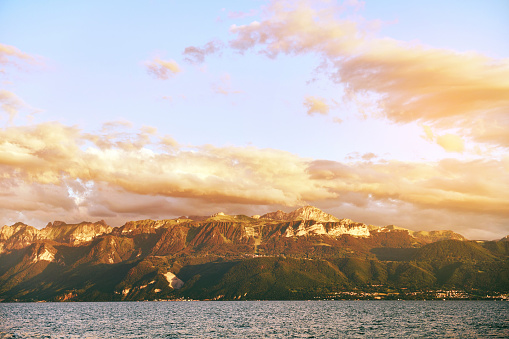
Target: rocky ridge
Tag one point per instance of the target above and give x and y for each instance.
(20, 235)
(303, 213)
(303, 222)
(300, 254)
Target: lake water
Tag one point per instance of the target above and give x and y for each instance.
(257, 319)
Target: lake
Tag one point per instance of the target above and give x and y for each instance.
(256, 319)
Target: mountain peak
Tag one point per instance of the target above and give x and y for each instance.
(303, 213)
(218, 214)
(56, 223)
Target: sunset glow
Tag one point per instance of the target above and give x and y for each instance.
(381, 112)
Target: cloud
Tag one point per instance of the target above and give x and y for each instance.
(111, 125)
(451, 143)
(456, 186)
(10, 103)
(241, 15)
(405, 82)
(224, 86)
(216, 88)
(369, 156)
(168, 142)
(428, 133)
(47, 153)
(7, 53)
(162, 69)
(296, 28)
(124, 176)
(197, 55)
(316, 105)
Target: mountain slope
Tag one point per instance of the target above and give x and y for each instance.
(240, 257)
(453, 250)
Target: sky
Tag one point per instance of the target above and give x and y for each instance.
(393, 112)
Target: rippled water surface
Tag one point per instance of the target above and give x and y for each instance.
(257, 319)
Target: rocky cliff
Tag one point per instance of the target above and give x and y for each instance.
(303, 213)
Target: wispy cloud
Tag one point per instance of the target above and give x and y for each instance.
(197, 54)
(241, 15)
(9, 54)
(10, 103)
(162, 69)
(224, 86)
(316, 105)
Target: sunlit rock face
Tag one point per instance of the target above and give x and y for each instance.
(43, 253)
(303, 213)
(173, 281)
(18, 236)
(21, 230)
(347, 226)
(331, 229)
(147, 226)
(75, 233)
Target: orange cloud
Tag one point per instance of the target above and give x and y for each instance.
(407, 82)
(316, 105)
(162, 69)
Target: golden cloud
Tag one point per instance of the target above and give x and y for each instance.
(316, 105)
(47, 153)
(451, 143)
(89, 176)
(459, 186)
(162, 69)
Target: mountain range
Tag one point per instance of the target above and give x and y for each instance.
(303, 254)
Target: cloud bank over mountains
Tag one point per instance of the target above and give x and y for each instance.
(121, 174)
